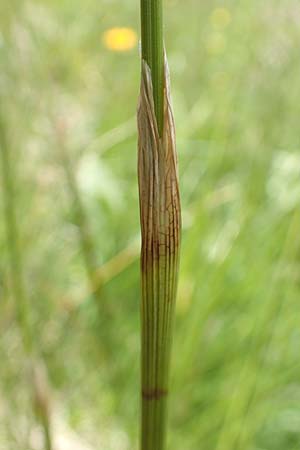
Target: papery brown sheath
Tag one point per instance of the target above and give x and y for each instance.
(160, 228)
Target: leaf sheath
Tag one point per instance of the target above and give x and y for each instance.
(160, 227)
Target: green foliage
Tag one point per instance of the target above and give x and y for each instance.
(235, 368)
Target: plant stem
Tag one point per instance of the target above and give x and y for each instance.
(153, 52)
(15, 259)
(13, 242)
(85, 237)
(160, 227)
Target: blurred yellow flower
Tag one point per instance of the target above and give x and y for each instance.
(220, 17)
(120, 39)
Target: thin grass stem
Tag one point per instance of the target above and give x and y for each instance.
(85, 238)
(153, 51)
(160, 227)
(16, 267)
(13, 240)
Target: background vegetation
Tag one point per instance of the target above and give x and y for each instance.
(67, 128)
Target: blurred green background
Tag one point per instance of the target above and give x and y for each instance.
(69, 229)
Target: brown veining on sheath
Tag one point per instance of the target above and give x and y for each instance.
(160, 229)
(154, 394)
(158, 178)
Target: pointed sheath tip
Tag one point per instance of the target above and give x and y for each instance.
(158, 173)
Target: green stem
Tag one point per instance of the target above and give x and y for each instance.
(85, 238)
(160, 229)
(15, 254)
(13, 241)
(153, 51)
